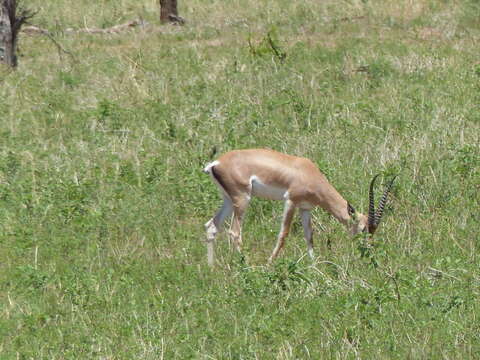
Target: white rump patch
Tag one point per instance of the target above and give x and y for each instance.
(259, 189)
(209, 166)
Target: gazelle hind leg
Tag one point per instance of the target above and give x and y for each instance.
(307, 231)
(240, 204)
(214, 225)
(288, 213)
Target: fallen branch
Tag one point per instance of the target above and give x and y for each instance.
(33, 30)
(111, 30)
(60, 48)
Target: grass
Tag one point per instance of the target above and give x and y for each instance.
(103, 201)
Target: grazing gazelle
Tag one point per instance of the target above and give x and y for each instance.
(241, 174)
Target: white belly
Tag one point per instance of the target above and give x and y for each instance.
(265, 191)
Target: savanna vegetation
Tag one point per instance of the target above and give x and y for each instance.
(103, 198)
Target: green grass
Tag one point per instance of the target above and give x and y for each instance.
(103, 201)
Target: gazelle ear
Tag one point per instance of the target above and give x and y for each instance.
(351, 211)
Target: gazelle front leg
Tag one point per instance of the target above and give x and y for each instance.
(307, 230)
(214, 225)
(288, 213)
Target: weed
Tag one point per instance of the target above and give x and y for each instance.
(268, 46)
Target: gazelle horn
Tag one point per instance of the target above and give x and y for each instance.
(383, 201)
(371, 208)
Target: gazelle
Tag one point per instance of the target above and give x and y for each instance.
(241, 174)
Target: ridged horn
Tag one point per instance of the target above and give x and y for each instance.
(383, 201)
(371, 208)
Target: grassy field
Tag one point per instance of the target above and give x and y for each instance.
(103, 199)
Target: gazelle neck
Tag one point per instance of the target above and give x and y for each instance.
(328, 198)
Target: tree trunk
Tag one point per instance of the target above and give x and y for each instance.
(10, 25)
(7, 42)
(169, 12)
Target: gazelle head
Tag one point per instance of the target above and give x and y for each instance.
(361, 223)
